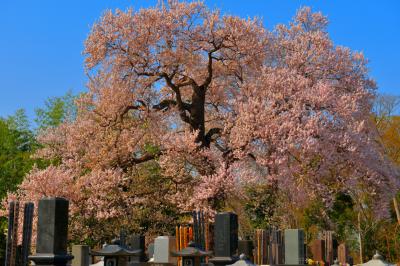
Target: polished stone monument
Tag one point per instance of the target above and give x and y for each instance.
(163, 246)
(225, 239)
(137, 242)
(294, 247)
(52, 232)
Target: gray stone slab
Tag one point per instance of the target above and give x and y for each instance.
(294, 247)
(163, 246)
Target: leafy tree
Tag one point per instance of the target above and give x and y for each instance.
(387, 121)
(17, 143)
(55, 111)
(261, 204)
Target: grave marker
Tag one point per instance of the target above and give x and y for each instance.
(52, 231)
(225, 238)
(294, 247)
(163, 246)
(137, 242)
(26, 233)
(81, 255)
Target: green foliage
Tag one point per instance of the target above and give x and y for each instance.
(343, 215)
(55, 111)
(17, 143)
(261, 204)
(314, 216)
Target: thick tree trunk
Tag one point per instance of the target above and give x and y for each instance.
(197, 114)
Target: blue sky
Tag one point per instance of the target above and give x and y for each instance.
(41, 41)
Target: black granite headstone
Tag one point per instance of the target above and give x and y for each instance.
(136, 242)
(52, 232)
(225, 238)
(10, 233)
(26, 233)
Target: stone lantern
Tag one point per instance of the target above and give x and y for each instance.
(243, 261)
(191, 255)
(116, 255)
(377, 260)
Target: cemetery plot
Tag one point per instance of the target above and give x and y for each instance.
(189, 247)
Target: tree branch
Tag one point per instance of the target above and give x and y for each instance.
(167, 103)
(210, 134)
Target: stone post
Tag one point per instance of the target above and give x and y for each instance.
(26, 233)
(52, 231)
(294, 247)
(10, 230)
(81, 255)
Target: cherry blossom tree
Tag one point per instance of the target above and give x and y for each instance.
(213, 102)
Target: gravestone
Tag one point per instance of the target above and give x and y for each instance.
(318, 250)
(294, 247)
(9, 244)
(26, 233)
(137, 242)
(163, 246)
(225, 238)
(52, 231)
(81, 255)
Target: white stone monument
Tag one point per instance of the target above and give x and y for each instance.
(163, 245)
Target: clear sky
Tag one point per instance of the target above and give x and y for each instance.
(41, 41)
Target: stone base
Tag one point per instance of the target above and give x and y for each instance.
(139, 263)
(220, 261)
(51, 259)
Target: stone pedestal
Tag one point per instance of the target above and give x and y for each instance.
(52, 231)
(81, 255)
